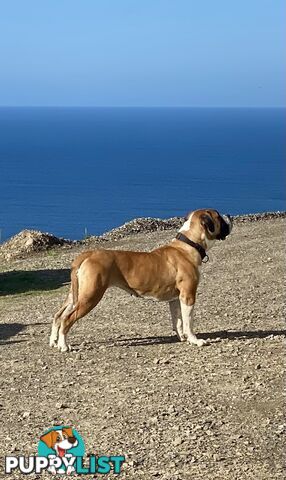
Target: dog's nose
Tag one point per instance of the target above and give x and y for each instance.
(72, 439)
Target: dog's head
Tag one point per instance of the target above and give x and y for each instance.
(207, 225)
(60, 440)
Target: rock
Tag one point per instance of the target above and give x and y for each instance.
(153, 421)
(281, 429)
(216, 457)
(178, 441)
(29, 241)
(61, 405)
(165, 361)
(144, 224)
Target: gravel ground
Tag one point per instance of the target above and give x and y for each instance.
(128, 387)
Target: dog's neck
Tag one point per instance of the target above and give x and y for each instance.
(197, 240)
(182, 238)
(196, 235)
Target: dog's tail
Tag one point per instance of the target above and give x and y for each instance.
(74, 276)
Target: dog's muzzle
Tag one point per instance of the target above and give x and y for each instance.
(225, 227)
(72, 440)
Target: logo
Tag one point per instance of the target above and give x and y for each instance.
(61, 445)
(61, 451)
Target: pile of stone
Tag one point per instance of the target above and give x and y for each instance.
(30, 241)
(142, 225)
(256, 217)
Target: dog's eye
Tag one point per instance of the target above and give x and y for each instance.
(58, 439)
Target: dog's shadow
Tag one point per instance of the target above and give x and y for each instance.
(211, 336)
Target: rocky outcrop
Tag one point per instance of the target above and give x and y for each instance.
(30, 241)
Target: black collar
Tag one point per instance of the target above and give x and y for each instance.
(197, 246)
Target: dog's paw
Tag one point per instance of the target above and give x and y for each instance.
(52, 470)
(64, 348)
(197, 341)
(70, 470)
(53, 343)
(180, 335)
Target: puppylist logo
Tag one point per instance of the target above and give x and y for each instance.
(61, 451)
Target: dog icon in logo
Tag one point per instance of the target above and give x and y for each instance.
(60, 440)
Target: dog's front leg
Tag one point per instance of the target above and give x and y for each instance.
(187, 310)
(177, 322)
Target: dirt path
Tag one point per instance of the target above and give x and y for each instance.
(175, 411)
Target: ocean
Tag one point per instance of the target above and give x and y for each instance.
(77, 171)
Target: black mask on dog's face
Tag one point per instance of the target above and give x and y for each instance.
(225, 227)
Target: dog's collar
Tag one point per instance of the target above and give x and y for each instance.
(197, 246)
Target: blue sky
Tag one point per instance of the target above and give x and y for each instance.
(142, 52)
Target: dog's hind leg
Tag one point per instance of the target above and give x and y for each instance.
(83, 306)
(64, 310)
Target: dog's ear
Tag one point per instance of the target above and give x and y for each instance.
(68, 431)
(208, 223)
(49, 438)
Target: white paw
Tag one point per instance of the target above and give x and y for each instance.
(182, 337)
(64, 348)
(53, 343)
(197, 341)
(52, 470)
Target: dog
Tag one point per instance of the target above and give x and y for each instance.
(170, 273)
(60, 441)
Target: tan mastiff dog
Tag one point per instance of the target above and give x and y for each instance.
(170, 273)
